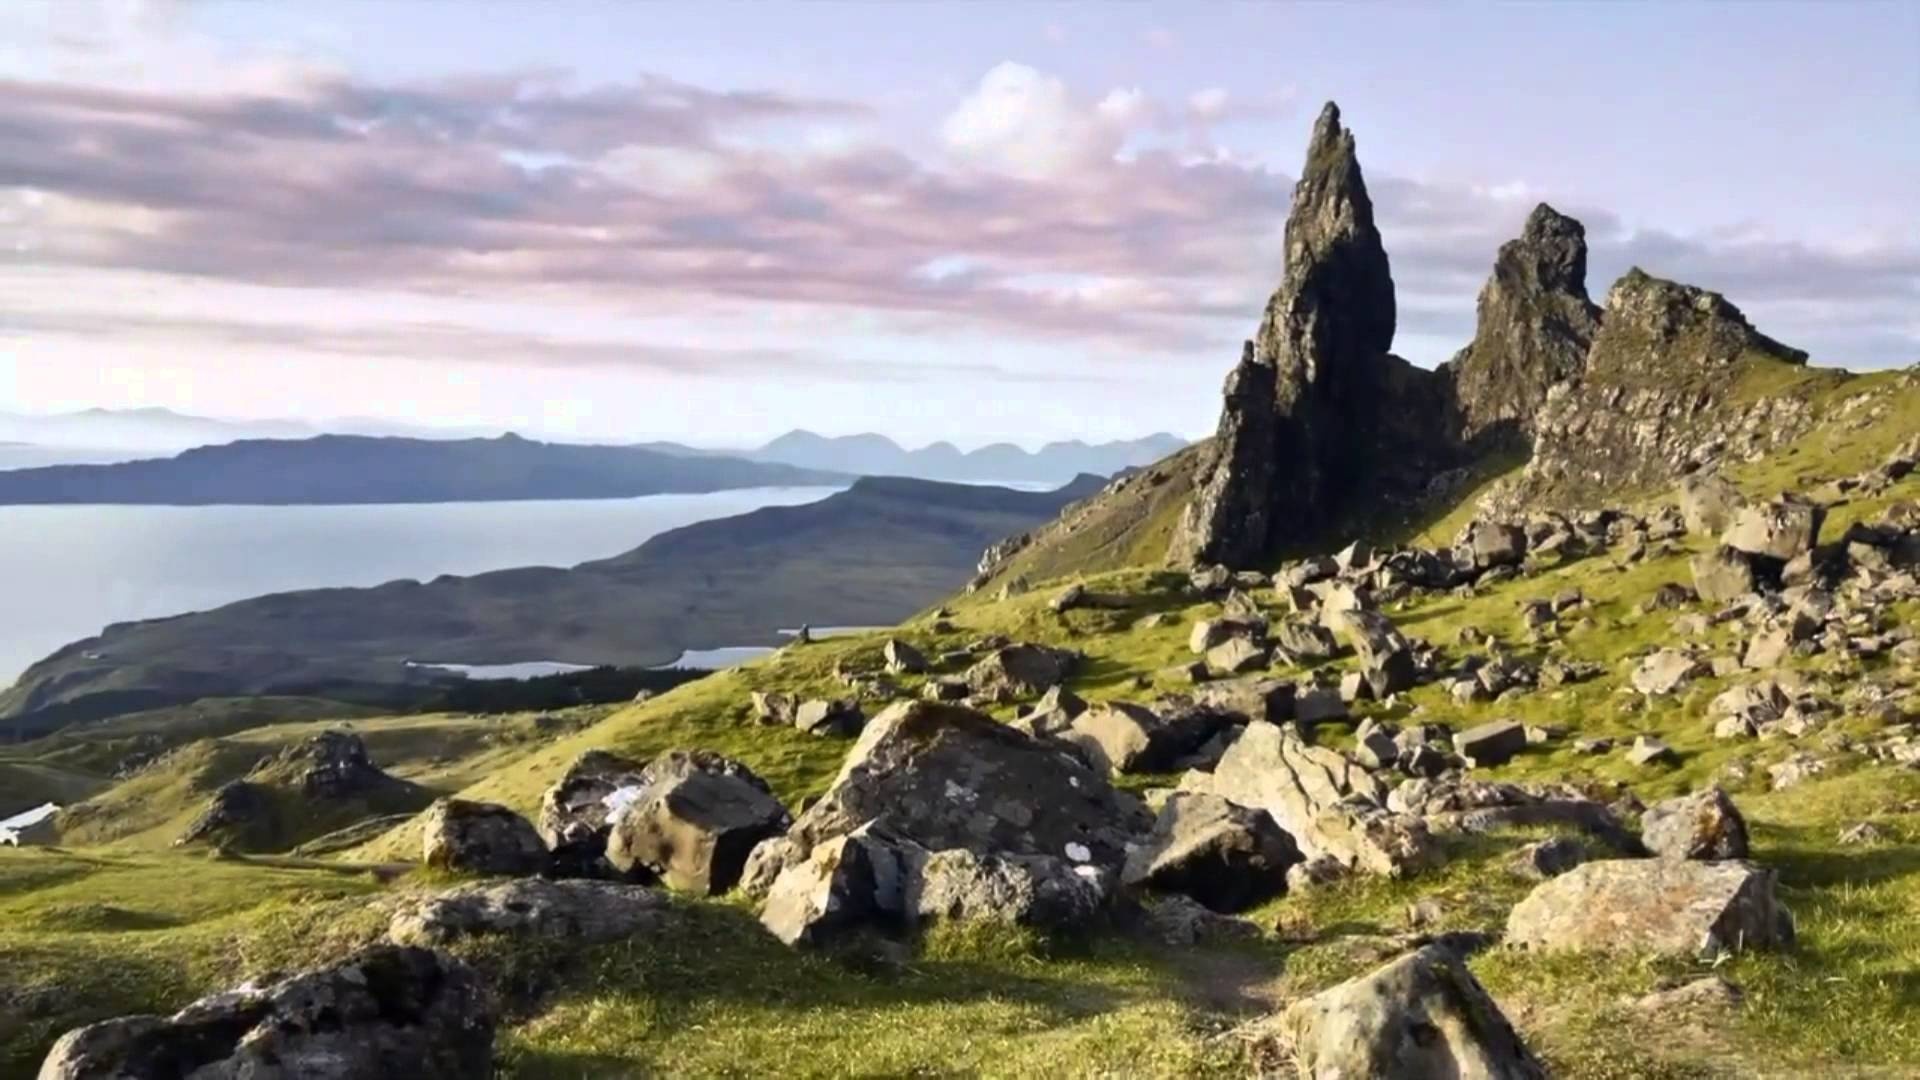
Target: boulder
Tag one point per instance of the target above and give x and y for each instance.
(1122, 737)
(1329, 804)
(1492, 743)
(1245, 700)
(1723, 574)
(945, 777)
(1179, 920)
(1041, 891)
(1487, 544)
(583, 911)
(846, 883)
(480, 838)
(1708, 503)
(903, 659)
(1704, 825)
(1649, 750)
(1423, 1015)
(1210, 633)
(385, 1011)
(1679, 907)
(1548, 858)
(1228, 857)
(695, 824)
(1306, 641)
(574, 812)
(1781, 529)
(1386, 657)
(834, 717)
(1019, 671)
(1236, 656)
(773, 708)
(236, 805)
(1667, 671)
(1051, 715)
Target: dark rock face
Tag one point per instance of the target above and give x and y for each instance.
(387, 1011)
(1304, 405)
(1536, 324)
(1655, 398)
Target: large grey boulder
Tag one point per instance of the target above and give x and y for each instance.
(1678, 907)
(1019, 671)
(903, 659)
(1329, 804)
(1041, 891)
(829, 716)
(1123, 737)
(696, 821)
(1227, 857)
(1306, 641)
(1386, 656)
(844, 884)
(1247, 699)
(943, 776)
(1421, 1017)
(1723, 574)
(1668, 671)
(1209, 634)
(388, 1011)
(584, 911)
(1781, 529)
(1708, 503)
(1492, 743)
(480, 838)
(1704, 825)
(1487, 544)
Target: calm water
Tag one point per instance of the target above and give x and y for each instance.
(67, 571)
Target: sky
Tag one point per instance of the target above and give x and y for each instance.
(970, 221)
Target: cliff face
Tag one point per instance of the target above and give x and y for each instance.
(1535, 327)
(1322, 427)
(1316, 403)
(1659, 394)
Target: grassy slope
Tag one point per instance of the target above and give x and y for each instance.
(718, 998)
(441, 753)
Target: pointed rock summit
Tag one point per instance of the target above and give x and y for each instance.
(1324, 434)
(1535, 326)
(1302, 411)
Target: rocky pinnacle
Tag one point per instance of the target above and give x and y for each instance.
(1320, 343)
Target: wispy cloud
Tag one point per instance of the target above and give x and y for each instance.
(1103, 219)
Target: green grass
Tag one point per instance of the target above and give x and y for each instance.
(96, 933)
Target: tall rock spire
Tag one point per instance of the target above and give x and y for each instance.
(1322, 349)
(1535, 327)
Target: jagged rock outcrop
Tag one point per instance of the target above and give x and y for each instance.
(1304, 407)
(1656, 398)
(1535, 327)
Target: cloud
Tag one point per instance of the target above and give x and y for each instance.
(1027, 124)
(1111, 223)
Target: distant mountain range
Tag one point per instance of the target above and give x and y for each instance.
(113, 435)
(868, 556)
(877, 455)
(335, 469)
